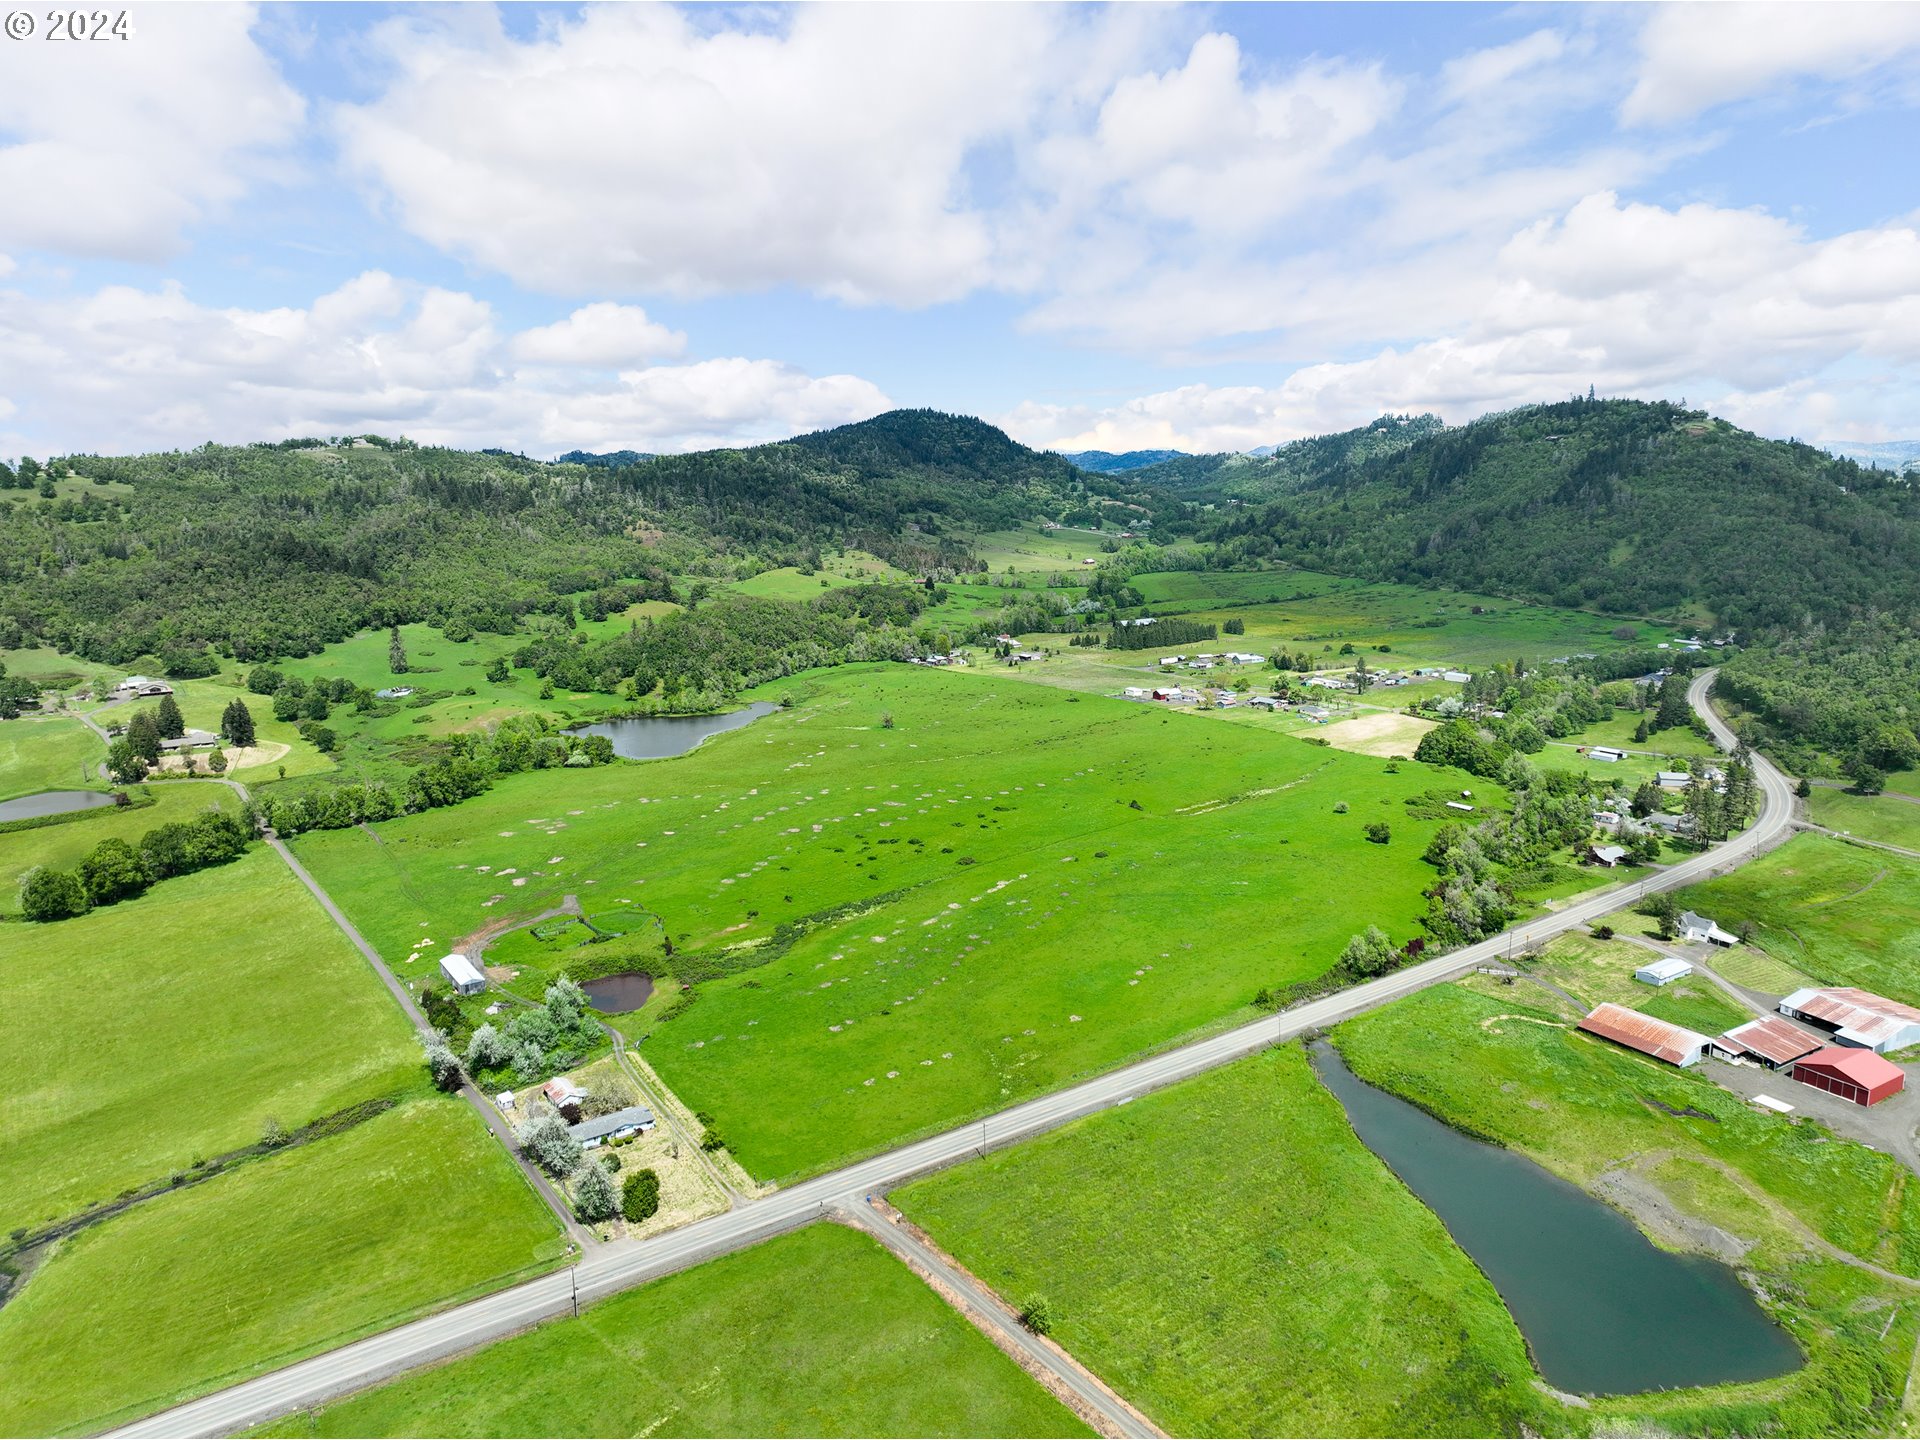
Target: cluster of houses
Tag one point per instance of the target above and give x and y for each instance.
(1832, 1039)
(1207, 662)
(953, 657)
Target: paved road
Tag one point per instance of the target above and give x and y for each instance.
(1118, 1417)
(620, 1265)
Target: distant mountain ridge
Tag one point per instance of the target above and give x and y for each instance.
(610, 460)
(1106, 462)
(1895, 455)
(1254, 476)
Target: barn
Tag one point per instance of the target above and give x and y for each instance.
(1856, 1075)
(1770, 1041)
(1674, 1044)
(461, 975)
(1856, 1017)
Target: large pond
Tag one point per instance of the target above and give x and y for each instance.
(1604, 1311)
(655, 737)
(617, 994)
(52, 802)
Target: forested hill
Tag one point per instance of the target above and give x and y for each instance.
(1107, 462)
(1287, 467)
(275, 550)
(1623, 506)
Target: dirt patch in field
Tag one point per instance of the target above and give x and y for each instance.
(238, 758)
(1382, 735)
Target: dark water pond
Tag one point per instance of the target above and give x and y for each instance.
(617, 994)
(655, 737)
(52, 802)
(1605, 1312)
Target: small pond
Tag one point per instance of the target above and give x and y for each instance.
(617, 994)
(1603, 1310)
(656, 737)
(53, 802)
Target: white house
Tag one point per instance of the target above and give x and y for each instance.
(461, 974)
(1699, 927)
(1663, 972)
(1607, 855)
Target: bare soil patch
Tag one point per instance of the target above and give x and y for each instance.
(1380, 734)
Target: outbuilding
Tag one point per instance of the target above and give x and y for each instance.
(1607, 855)
(1856, 1017)
(461, 974)
(1674, 1044)
(1606, 753)
(1856, 1075)
(1673, 779)
(1663, 971)
(1769, 1041)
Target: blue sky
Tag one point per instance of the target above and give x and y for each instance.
(1202, 227)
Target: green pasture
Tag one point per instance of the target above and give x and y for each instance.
(48, 752)
(909, 926)
(741, 1345)
(1597, 972)
(202, 702)
(1514, 1072)
(1302, 609)
(626, 619)
(1030, 549)
(167, 1029)
(55, 671)
(61, 846)
(1230, 1257)
(1844, 914)
(297, 1252)
(1679, 742)
(1886, 818)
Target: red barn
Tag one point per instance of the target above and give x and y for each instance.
(1857, 1075)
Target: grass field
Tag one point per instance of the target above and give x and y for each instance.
(1844, 914)
(201, 703)
(53, 752)
(1580, 1107)
(1234, 1261)
(1880, 817)
(169, 1027)
(1598, 971)
(61, 846)
(739, 1346)
(1618, 732)
(1377, 734)
(290, 1254)
(1012, 886)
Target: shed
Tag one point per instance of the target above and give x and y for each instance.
(634, 1120)
(1606, 753)
(461, 974)
(1672, 1043)
(1673, 779)
(1856, 1075)
(1663, 971)
(1771, 1042)
(1856, 1017)
(1458, 677)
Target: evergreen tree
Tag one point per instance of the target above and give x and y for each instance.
(640, 1196)
(236, 723)
(396, 655)
(168, 719)
(1674, 710)
(143, 736)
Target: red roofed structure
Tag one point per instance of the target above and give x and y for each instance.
(1672, 1043)
(1857, 1075)
(1772, 1041)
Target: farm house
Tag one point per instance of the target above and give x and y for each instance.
(634, 1120)
(461, 975)
(1859, 1076)
(1656, 1038)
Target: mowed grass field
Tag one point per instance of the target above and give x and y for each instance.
(297, 1252)
(167, 1028)
(1302, 609)
(1230, 1257)
(1843, 914)
(48, 752)
(1600, 971)
(1517, 1074)
(62, 846)
(1886, 818)
(1010, 887)
(742, 1345)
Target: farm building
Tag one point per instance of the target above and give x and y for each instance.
(461, 974)
(140, 685)
(1699, 927)
(1663, 971)
(1606, 753)
(1857, 1018)
(1856, 1075)
(1607, 855)
(1673, 779)
(393, 692)
(191, 740)
(565, 1096)
(1771, 1042)
(1672, 1043)
(634, 1120)
(1458, 677)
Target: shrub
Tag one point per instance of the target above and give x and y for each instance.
(1379, 832)
(443, 1065)
(485, 1049)
(111, 871)
(52, 895)
(1036, 1315)
(272, 1133)
(593, 1197)
(545, 1138)
(640, 1196)
(1603, 932)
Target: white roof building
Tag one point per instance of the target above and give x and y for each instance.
(1663, 971)
(1856, 1017)
(461, 974)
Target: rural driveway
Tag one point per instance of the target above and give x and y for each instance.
(622, 1264)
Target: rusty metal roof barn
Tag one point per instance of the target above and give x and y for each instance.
(1674, 1044)
(1771, 1039)
(1857, 1017)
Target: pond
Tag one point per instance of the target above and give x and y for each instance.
(656, 737)
(53, 802)
(617, 994)
(1603, 1310)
